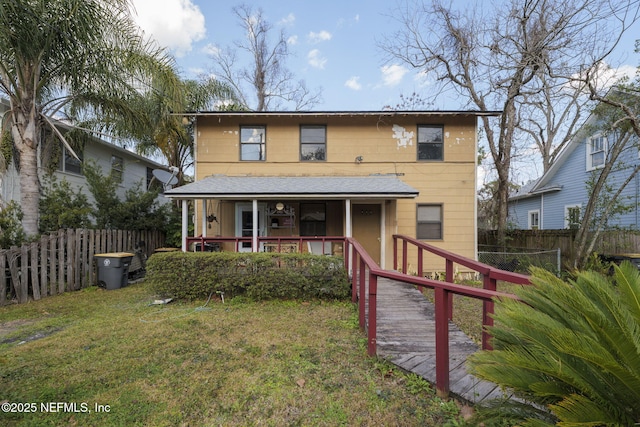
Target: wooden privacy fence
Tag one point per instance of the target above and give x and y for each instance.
(610, 242)
(63, 261)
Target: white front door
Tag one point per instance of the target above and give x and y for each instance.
(244, 223)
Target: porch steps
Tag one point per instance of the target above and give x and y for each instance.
(406, 337)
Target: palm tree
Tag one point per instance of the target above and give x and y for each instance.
(172, 133)
(570, 350)
(78, 57)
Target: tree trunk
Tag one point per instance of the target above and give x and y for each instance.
(29, 189)
(25, 131)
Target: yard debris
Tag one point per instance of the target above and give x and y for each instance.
(162, 301)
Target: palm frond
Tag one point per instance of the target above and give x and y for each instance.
(570, 346)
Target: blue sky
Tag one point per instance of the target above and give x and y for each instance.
(334, 45)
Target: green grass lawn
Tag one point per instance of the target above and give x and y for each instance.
(115, 360)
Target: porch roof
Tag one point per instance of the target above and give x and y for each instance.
(294, 187)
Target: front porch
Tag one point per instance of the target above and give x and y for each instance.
(292, 214)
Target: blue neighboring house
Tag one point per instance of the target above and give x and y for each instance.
(555, 200)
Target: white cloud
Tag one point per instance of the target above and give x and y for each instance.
(322, 36)
(293, 40)
(606, 76)
(288, 20)
(392, 74)
(211, 50)
(353, 83)
(611, 75)
(176, 24)
(316, 59)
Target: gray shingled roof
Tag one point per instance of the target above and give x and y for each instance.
(322, 187)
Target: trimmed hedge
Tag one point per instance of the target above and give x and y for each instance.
(259, 276)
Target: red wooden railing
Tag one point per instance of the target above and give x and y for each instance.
(364, 269)
(277, 240)
(490, 275)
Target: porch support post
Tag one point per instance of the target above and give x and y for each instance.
(204, 218)
(185, 223)
(347, 232)
(254, 242)
(383, 233)
(347, 220)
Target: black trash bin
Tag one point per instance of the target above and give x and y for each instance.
(113, 269)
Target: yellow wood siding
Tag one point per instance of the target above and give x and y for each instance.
(450, 183)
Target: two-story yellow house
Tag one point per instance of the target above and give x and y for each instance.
(367, 174)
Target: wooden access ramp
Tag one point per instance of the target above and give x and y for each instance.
(406, 338)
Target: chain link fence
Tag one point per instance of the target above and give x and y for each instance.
(521, 260)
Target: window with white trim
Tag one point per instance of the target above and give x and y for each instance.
(117, 166)
(533, 219)
(572, 216)
(68, 163)
(596, 152)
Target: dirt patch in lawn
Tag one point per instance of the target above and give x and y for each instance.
(9, 332)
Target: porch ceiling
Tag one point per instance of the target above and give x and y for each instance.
(295, 187)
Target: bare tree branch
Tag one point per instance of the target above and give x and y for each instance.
(263, 83)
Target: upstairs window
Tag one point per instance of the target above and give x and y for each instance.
(430, 142)
(70, 164)
(253, 140)
(429, 225)
(117, 167)
(313, 143)
(596, 152)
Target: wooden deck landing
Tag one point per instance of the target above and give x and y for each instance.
(406, 338)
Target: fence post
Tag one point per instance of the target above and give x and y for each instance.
(61, 283)
(449, 278)
(71, 252)
(90, 253)
(35, 277)
(79, 258)
(44, 265)
(354, 281)
(404, 256)
(362, 281)
(373, 306)
(24, 271)
(12, 258)
(53, 289)
(442, 342)
(395, 253)
(3, 278)
(487, 311)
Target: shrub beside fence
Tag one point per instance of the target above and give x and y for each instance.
(64, 261)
